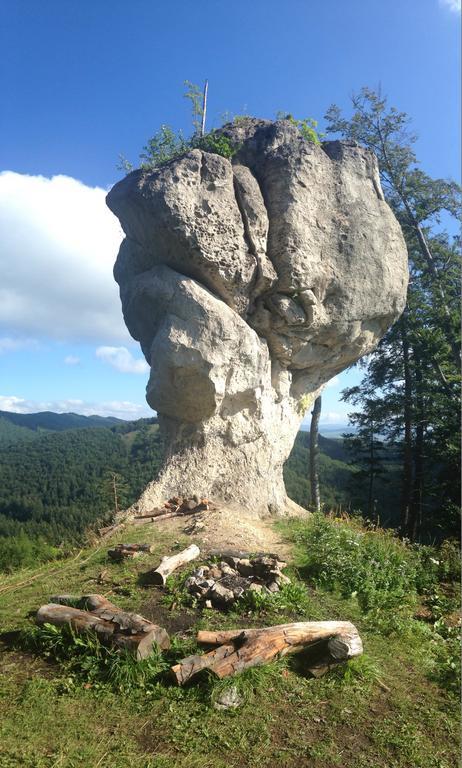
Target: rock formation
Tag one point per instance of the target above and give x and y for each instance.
(249, 284)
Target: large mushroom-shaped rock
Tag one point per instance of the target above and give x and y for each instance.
(249, 284)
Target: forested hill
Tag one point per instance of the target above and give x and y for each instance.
(56, 481)
(27, 426)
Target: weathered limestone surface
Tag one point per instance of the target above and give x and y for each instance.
(249, 284)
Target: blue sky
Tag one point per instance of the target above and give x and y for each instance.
(83, 81)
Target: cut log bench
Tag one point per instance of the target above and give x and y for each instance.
(112, 625)
(239, 650)
(235, 650)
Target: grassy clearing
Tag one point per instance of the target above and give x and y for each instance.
(83, 705)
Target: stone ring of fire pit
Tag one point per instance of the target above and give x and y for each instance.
(220, 585)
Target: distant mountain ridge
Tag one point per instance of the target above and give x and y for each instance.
(27, 427)
(58, 421)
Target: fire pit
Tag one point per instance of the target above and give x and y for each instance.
(220, 584)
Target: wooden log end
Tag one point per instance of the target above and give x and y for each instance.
(345, 646)
(156, 579)
(157, 636)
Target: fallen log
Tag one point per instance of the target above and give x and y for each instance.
(166, 515)
(241, 649)
(170, 564)
(126, 551)
(110, 529)
(113, 626)
(175, 507)
(156, 518)
(157, 512)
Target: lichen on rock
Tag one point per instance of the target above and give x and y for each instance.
(250, 283)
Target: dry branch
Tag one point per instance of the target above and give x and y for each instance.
(241, 649)
(170, 564)
(110, 529)
(94, 613)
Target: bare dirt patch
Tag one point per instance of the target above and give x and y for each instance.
(230, 527)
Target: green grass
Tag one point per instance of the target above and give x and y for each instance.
(68, 703)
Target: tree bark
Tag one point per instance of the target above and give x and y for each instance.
(428, 256)
(241, 649)
(94, 613)
(370, 502)
(169, 564)
(407, 449)
(314, 453)
(204, 107)
(415, 517)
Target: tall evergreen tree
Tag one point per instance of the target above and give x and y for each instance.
(415, 371)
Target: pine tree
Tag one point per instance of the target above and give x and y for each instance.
(415, 371)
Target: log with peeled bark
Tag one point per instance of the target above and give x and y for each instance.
(169, 564)
(240, 649)
(113, 626)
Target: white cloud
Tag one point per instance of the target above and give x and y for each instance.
(452, 5)
(7, 344)
(122, 360)
(122, 409)
(72, 360)
(58, 245)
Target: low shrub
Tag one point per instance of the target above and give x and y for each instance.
(291, 599)
(377, 569)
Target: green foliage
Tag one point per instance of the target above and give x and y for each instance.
(12, 433)
(163, 146)
(194, 95)
(366, 449)
(53, 488)
(21, 551)
(83, 659)
(379, 570)
(166, 145)
(307, 126)
(388, 579)
(449, 564)
(446, 667)
(216, 143)
(291, 599)
(359, 671)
